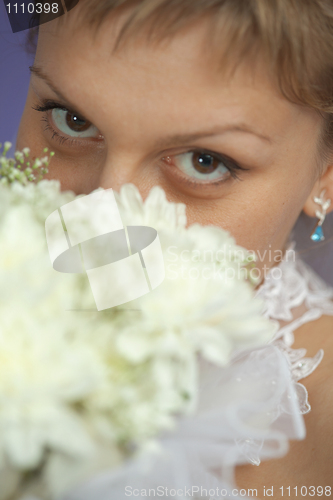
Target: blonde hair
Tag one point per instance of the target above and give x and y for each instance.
(295, 36)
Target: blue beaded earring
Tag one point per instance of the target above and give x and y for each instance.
(317, 234)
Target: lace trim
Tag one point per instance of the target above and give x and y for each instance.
(295, 296)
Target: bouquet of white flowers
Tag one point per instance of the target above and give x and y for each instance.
(84, 390)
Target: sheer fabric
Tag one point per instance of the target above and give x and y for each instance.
(247, 412)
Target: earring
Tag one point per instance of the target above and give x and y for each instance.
(317, 234)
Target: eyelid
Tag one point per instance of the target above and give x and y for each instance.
(230, 164)
(221, 157)
(50, 104)
(224, 158)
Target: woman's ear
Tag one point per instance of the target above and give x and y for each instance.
(324, 182)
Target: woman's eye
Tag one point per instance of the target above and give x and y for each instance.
(202, 166)
(72, 124)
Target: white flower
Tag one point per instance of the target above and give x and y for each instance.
(155, 211)
(205, 311)
(19, 156)
(71, 380)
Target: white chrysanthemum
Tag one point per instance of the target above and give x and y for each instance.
(204, 303)
(70, 379)
(42, 372)
(155, 211)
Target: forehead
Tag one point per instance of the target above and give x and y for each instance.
(195, 44)
(179, 77)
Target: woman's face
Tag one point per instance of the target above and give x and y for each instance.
(165, 115)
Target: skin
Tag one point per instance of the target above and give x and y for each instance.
(143, 96)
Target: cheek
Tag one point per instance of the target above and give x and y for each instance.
(29, 134)
(75, 174)
(71, 175)
(258, 211)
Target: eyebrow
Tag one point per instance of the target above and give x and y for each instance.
(170, 140)
(36, 70)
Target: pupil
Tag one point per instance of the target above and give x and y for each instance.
(205, 163)
(205, 160)
(76, 123)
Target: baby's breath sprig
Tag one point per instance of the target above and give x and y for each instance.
(21, 168)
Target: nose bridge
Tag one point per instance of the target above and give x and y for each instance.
(119, 168)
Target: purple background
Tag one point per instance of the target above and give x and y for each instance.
(14, 82)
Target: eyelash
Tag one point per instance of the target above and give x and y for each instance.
(231, 165)
(228, 162)
(48, 105)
